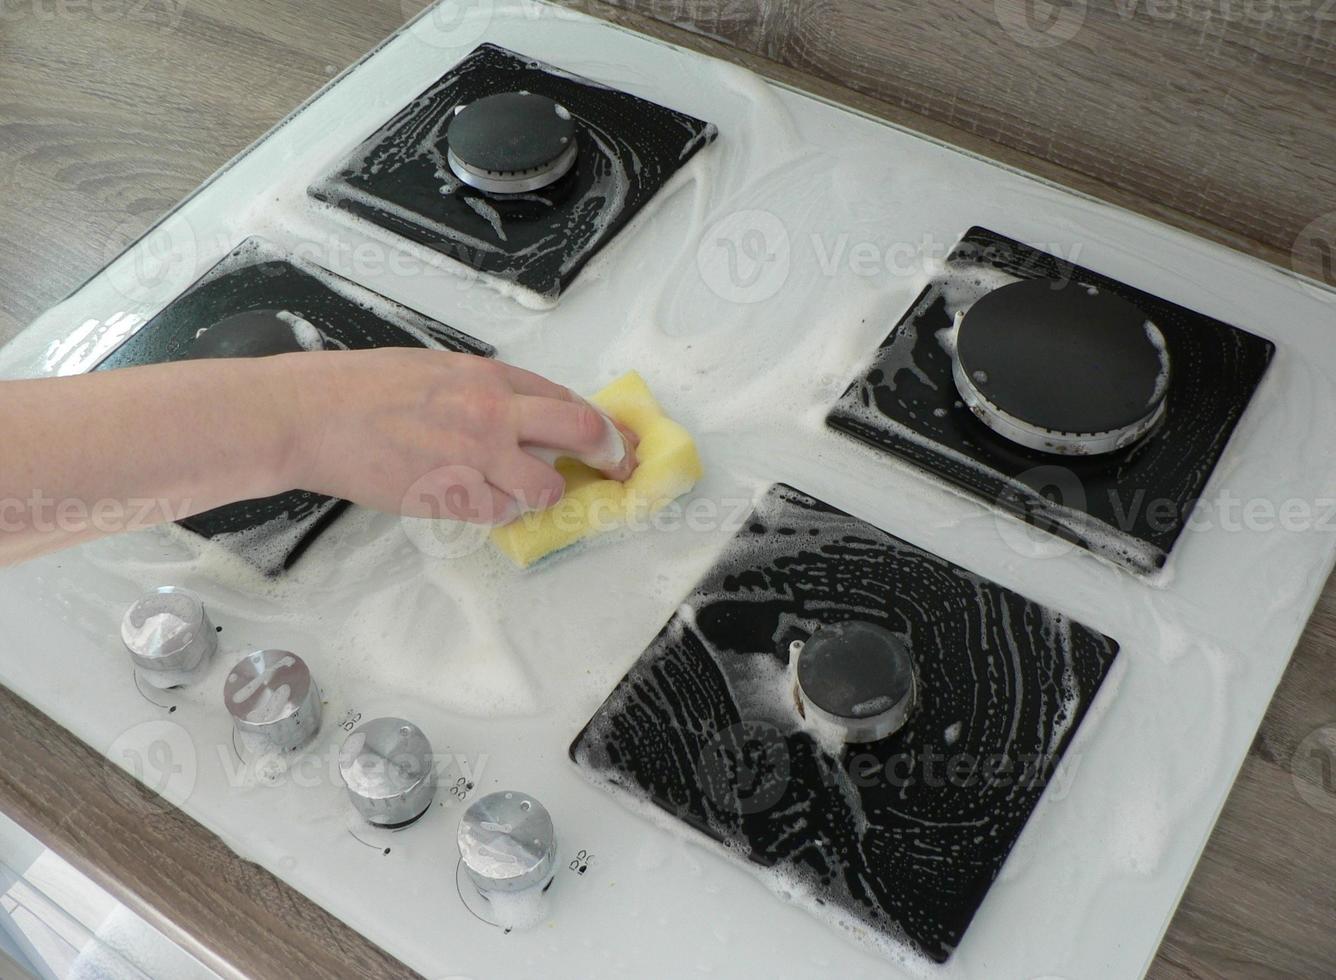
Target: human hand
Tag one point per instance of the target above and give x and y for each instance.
(472, 439)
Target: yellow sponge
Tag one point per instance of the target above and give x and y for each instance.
(669, 467)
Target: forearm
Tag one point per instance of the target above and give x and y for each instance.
(428, 434)
(112, 451)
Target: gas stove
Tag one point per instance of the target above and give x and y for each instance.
(944, 669)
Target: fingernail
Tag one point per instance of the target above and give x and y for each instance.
(615, 443)
(508, 513)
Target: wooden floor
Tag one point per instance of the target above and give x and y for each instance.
(112, 112)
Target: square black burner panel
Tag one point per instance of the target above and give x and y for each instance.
(903, 836)
(400, 179)
(1129, 505)
(273, 532)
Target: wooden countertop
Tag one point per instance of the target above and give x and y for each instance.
(112, 112)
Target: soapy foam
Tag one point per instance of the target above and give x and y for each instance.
(761, 688)
(763, 367)
(306, 333)
(522, 910)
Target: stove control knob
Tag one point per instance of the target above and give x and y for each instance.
(169, 637)
(388, 767)
(856, 680)
(508, 843)
(273, 700)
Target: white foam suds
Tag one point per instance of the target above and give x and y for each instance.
(502, 668)
(521, 910)
(306, 333)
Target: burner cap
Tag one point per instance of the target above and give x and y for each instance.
(256, 333)
(511, 143)
(858, 677)
(1061, 366)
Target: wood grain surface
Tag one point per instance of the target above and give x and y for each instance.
(233, 916)
(111, 112)
(1222, 109)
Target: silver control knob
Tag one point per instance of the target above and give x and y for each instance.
(508, 843)
(169, 637)
(388, 767)
(855, 679)
(273, 699)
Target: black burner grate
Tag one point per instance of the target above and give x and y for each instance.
(1129, 505)
(903, 836)
(401, 180)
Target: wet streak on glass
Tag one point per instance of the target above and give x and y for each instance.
(258, 276)
(399, 178)
(1129, 505)
(902, 836)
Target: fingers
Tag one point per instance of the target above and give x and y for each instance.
(622, 471)
(524, 382)
(459, 493)
(629, 434)
(577, 429)
(552, 417)
(533, 483)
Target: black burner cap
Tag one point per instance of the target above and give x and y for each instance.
(1042, 358)
(513, 133)
(256, 333)
(857, 672)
